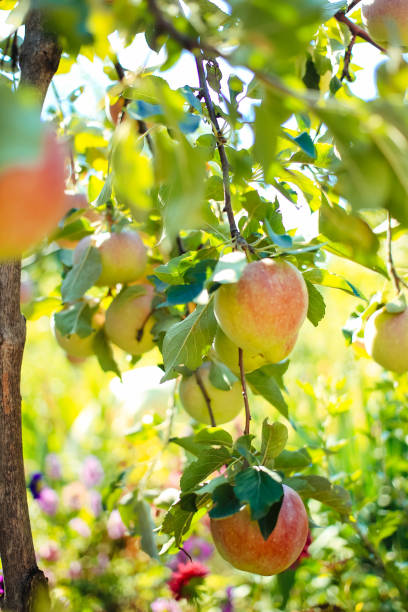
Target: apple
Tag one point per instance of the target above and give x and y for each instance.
(78, 347)
(32, 199)
(123, 256)
(227, 352)
(130, 315)
(386, 339)
(225, 405)
(383, 18)
(263, 312)
(239, 541)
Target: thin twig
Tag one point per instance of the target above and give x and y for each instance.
(244, 391)
(221, 149)
(352, 5)
(206, 397)
(396, 279)
(347, 59)
(357, 30)
(142, 127)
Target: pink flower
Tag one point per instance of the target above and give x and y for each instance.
(48, 501)
(53, 466)
(75, 495)
(165, 605)
(95, 502)
(186, 579)
(79, 525)
(92, 472)
(75, 570)
(49, 551)
(115, 525)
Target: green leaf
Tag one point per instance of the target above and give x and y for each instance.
(317, 276)
(317, 308)
(82, 276)
(177, 522)
(104, 354)
(221, 376)
(274, 438)
(214, 436)
(320, 488)
(146, 528)
(259, 488)
(207, 462)
(293, 461)
(268, 522)
(229, 268)
(76, 319)
(264, 384)
(225, 501)
(20, 128)
(186, 341)
(41, 307)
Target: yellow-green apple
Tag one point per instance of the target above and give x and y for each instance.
(386, 339)
(129, 319)
(123, 256)
(227, 352)
(225, 405)
(32, 199)
(78, 347)
(239, 541)
(383, 18)
(262, 312)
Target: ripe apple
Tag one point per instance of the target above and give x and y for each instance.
(386, 339)
(225, 405)
(130, 315)
(384, 17)
(32, 199)
(262, 312)
(227, 352)
(123, 256)
(78, 347)
(239, 541)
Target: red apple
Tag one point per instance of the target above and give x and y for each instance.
(239, 541)
(32, 199)
(262, 312)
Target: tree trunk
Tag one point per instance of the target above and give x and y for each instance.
(26, 587)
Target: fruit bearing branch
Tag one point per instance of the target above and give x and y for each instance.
(235, 235)
(207, 398)
(244, 390)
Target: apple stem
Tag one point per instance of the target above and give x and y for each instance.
(206, 397)
(244, 391)
(396, 279)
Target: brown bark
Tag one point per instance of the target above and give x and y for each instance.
(25, 585)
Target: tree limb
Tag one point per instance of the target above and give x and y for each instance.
(356, 30)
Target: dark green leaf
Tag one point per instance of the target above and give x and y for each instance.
(259, 488)
(317, 308)
(104, 353)
(207, 462)
(225, 501)
(82, 276)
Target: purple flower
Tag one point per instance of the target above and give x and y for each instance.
(198, 549)
(165, 605)
(79, 525)
(95, 502)
(48, 501)
(92, 472)
(36, 484)
(53, 466)
(1, 583)
(228, 605)
(115, 525)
